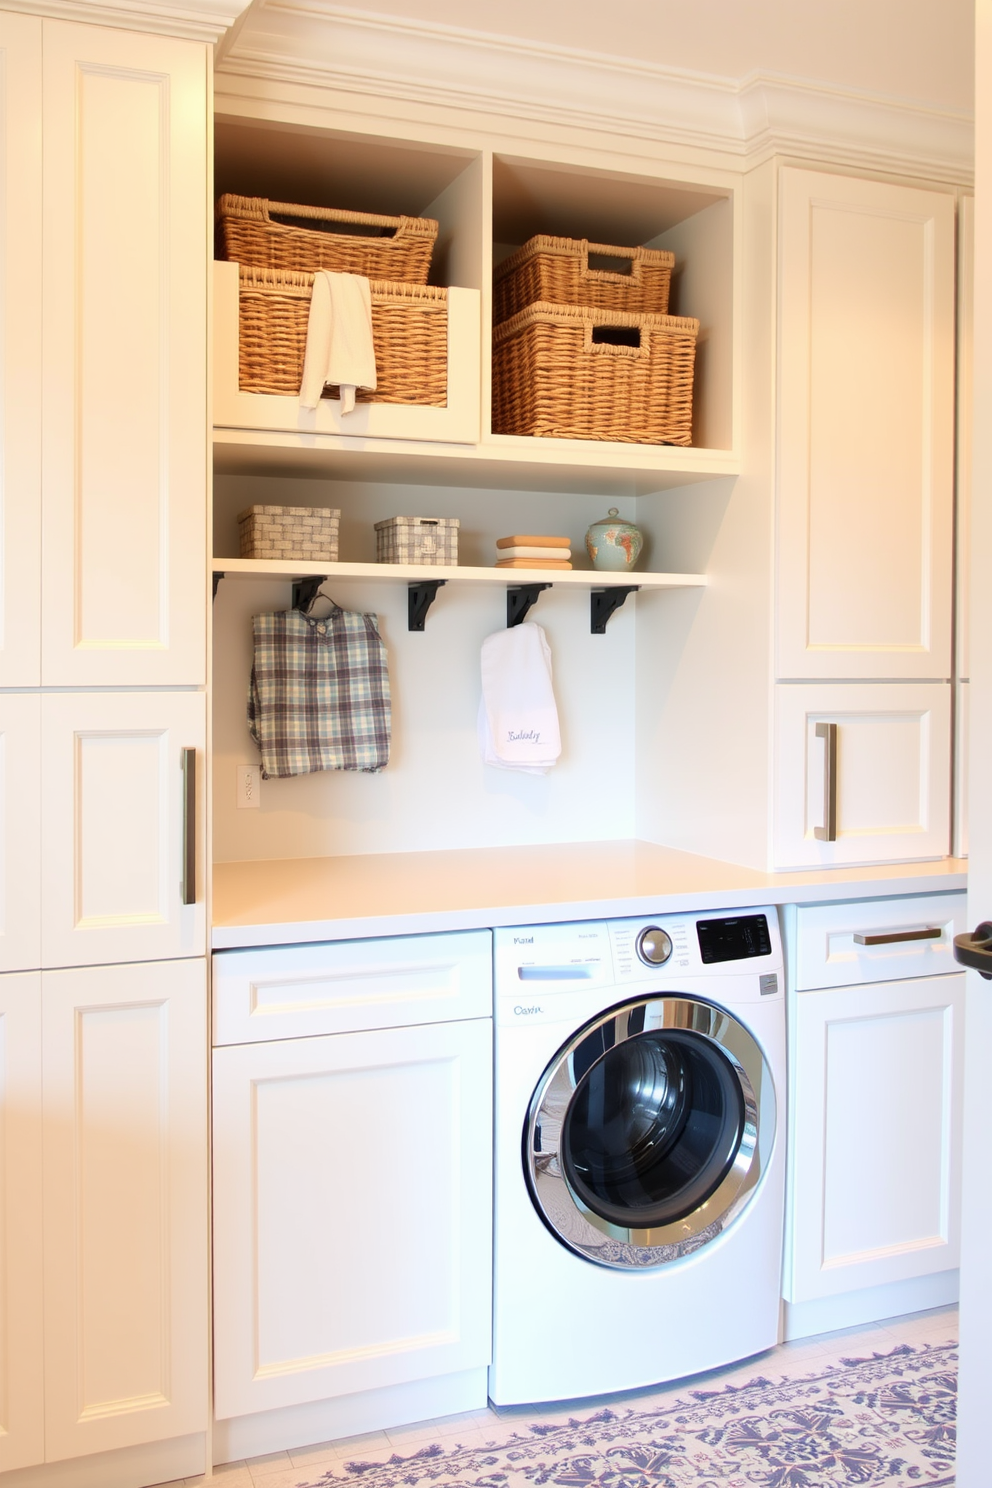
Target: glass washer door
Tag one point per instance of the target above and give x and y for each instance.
(649, 1131)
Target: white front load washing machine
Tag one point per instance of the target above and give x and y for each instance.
(640, 1135)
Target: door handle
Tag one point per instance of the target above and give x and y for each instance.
(188, 886)
(976, 950)
(828, 832)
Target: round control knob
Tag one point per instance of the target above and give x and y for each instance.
(654, 945)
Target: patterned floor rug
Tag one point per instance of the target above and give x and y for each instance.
(861, 1422)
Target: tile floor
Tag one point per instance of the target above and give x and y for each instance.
(295, 1469)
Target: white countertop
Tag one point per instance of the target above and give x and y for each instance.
(307, 899)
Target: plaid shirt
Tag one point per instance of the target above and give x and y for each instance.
(319, 694)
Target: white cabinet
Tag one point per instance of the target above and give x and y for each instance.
(20, 831)
(877, 1039)
(125, 1177)
(865, 428)
(862, 772)
(124, 474)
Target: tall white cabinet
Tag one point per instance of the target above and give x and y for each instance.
(102, 598)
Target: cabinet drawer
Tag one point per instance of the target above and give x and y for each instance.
(345, 986)
(829, 955)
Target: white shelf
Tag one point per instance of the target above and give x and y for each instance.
(418, 573)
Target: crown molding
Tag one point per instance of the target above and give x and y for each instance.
(196, 20)
(309, 43)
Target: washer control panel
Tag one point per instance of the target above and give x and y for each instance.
(653, 945)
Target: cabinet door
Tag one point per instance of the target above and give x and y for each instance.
(352, 1213)
(21, 1317)
(866, 428)
(125, 1205)
(20, 350)
(114, 824)
(892, 775)
(875, 1181)
(124, 358)
(20, 831)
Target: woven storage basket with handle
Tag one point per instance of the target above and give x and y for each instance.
(251, 236)
(409, 333)
(557, 271)
(555, 376)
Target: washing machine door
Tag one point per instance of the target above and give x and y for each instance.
(649, 1131)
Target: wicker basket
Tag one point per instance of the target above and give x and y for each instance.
(249, 235)
(289, 532)
(556, 271)
(417, 540)
(409, 332)
(555, 376)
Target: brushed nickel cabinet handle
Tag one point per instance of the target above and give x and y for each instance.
(828, 832)
(893, 937)
(188, 760)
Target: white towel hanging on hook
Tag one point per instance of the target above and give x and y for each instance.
(339, 346)
(518, 716)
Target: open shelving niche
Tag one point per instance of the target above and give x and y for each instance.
(391, 460)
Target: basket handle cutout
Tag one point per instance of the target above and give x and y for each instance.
(614, 335)
(609, 263)
(325, 225)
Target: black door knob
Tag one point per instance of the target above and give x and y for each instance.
(976, 950)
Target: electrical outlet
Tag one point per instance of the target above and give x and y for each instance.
(249, 785)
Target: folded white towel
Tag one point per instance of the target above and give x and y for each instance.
(339, 339)
(518, 718)
(555, 554)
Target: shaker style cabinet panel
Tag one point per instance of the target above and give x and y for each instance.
(21, 1316)
(124, 358)
(20, 350)
(20, 847)
(125, 1205)
(862, 773)
(865, 428)
(876, 1135)
(352, 1213)
(114, 821)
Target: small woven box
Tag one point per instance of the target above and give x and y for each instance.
(289, 532)
(573, 271)
(417, 540)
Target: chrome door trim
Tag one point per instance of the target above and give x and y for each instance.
(564, 1212)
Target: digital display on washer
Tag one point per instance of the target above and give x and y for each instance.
(733, 939)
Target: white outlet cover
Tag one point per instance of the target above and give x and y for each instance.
(249, 786)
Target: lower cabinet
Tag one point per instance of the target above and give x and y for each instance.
(105, 1208)
(875, 1089)
(352, 1212)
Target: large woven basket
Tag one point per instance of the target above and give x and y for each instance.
(557, 271)
(555, 377)
(250, 235)
(409, 333)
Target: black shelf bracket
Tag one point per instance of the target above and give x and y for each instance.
(519, 600)
(420, 597)
(305, 591)
(217, 579)
(604, 602)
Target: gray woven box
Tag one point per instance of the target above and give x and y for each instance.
(289, 532)
(417, 540)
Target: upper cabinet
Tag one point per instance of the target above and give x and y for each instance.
(865, 428)
(124, 437)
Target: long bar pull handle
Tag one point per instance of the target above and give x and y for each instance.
(188, 761)
(828, 832)
(893, 937)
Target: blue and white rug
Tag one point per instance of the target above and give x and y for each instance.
(860, 1422)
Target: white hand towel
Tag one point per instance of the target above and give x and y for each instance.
(339, 339)
(518, 718)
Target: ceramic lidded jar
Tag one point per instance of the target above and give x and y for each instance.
(613, 544)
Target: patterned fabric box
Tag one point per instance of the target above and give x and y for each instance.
(289, 532)
(417, 540)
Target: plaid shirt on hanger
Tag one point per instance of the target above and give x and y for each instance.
(319, 693)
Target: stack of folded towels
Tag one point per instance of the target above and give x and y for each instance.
(533, 550)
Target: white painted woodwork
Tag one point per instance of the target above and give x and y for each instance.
(124, 358)
(20, 844)
(345, 986)
(352, 1213)
(875, 1168)
(865, 428)
(962, 709)
(21, 1317)
(125, 1205)
(112, 826)
(457, 422)
(893, 772)
(827, 954)
(965, 421)
(20, 350)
